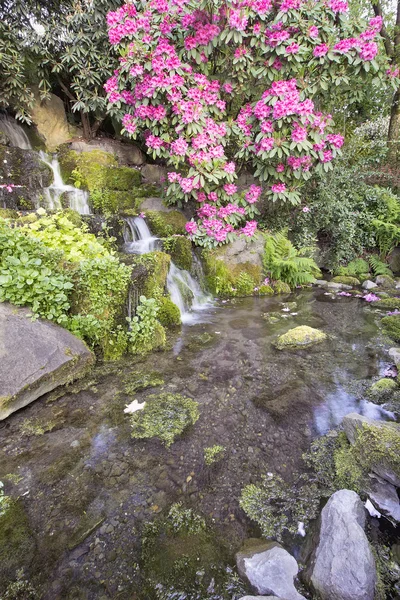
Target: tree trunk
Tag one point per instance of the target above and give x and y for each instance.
(394, 129)
(87, 130)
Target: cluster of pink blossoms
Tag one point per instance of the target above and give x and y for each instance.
(182, 112)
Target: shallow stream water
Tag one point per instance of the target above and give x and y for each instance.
(87, 487)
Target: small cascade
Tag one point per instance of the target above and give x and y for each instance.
(186, 293)
(137, 237)
(15, 133)
(78, 199)
(184, 290)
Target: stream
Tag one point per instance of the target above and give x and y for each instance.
(87, 488)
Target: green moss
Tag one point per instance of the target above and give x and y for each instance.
(382, 390)
(8, 213)
(16, 542)
(389, 303)
(142, 381)
(68, 160)
(213, 454)
(378, 445)
(229, 281)
(150, 273)
(265, 290)
(280, 287)
(164, 224)
(115, 201)
(165, 416)
(346, 280)
(168, 314)
(348, 471)
(300, 337)
(391, 327)
(386, 282)
(180, 249)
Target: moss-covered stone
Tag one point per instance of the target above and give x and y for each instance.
(347, 280)
(231, 280)
(165, 416)
(389, 303)
(150, 272)
(17, 544)
(382, 390)
(300, 337)
(391, 326)
(265, 290)
(168, 313)
(386, 281)
(280, 287)
(164, 224)
(179, 248)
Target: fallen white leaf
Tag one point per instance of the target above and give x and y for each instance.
(134, 406)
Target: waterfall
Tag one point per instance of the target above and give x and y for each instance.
(184, 290)
(78, 199)
(186, 293)
(137, 236)
(15, 133)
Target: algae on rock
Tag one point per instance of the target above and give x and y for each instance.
(300, 337)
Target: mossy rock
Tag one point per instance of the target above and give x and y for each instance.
(168, 314)
(180, 250)
(164, 224)
(391, 327)
(150, 273)
(300, 337)
(389, 303)
(265, 290)
(17, 545)
(386, 281)
(165, 416)
(280, 287)
(106, 201)
(382, 390)
(347, 280)
(231, 280)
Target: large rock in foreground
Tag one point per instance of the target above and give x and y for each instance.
(269, 569)
(300, 337)
(35, 357)
(376, 445)
(342, 566)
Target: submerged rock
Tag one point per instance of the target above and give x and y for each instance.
(376, 445)
(269, 569)
(300, 337)
(342, 566)
(36, 357)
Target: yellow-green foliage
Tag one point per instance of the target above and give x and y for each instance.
(231, 280)
(58, 231)
(300, 337)
(8, 213)
(165, 416)
(168, 314)
(164, 224)
(356, 268)
(179, 248)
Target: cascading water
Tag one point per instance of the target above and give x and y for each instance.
(184, 290)
(15, 133)
(78, 199)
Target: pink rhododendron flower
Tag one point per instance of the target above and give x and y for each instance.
(253, 194)
(280, 168)
(292, 48)
(191, 227)
(230, 167)
(313, 32)
(230, 189)
(305, 209)
(321, 50)
(369, 50)
(278, 188)
(250, 228)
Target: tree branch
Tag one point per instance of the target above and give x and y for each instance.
(386, 37)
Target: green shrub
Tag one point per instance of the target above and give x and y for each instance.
(165, 416)
(169, 314)
(31, 275)
(283, 262)
(145, 332)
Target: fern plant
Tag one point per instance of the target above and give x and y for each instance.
(387, 235)
(282, 261)
(379, 267)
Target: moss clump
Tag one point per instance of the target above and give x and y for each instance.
(150, 273)
(382, 390)
(165, 416)
(164, 224)
(280, 287)
(346, 280)
(168, 314)
(300, 337)
(386, 282)
(265, 290)
(391, 327)
(229, 281)
(389, 303)
(8, 213)
(377, 446)
(142, 381)
(180, 250)
(17, 545)
(213, 454)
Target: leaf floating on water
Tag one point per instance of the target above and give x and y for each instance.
(134, 406)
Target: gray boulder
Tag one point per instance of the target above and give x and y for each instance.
(154, 173)
(377, 445)
(369, 285)
(36, 357)
(269, 569)
(155, 204)
(342, 567)
(243, 251)
(383, 496)
(127, 154)
(394, 353)
(336, 287)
